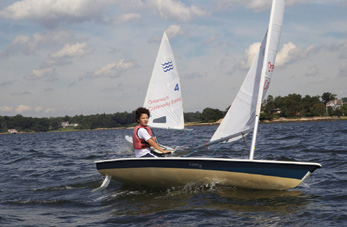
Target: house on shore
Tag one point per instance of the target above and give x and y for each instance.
(67, 124)
(335, 104)
(12, 131)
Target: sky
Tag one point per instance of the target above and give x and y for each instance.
(63, 57)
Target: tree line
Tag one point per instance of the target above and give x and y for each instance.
(291, 106)
(294, 106)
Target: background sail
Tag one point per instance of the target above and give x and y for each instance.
(164, 97)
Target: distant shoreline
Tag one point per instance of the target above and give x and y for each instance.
(193, 124)
(306, 119)
(279, 120)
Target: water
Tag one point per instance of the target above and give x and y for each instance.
(47, 178)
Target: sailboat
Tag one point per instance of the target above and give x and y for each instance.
(241, 119)
(164, 96)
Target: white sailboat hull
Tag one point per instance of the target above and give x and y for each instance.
(169, 172)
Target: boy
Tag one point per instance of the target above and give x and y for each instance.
(143, 137)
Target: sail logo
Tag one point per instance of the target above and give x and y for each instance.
(177, 88)
(270, 67)
(167, 66)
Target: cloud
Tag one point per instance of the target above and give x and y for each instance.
(70, 51)
(255, 5)
(212, 39)
(113, 68)
(21, 93)
(173, 31)
(290, 53)
(251, 53)
(5, 109)
(341, 48)
(170, 9)
(38, 109)
(50, 110)
(40, 73)
(106, 70)
(194, 75)
(28, 45)
(48, 89)
(313, 71)
(23, 108)
(343, 70)
(19, 44)
(5, 83)
(51, 13)
(287, 52)
(110, 70)
(126, 18)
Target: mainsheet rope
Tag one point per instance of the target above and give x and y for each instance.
(179, 142)
(219, 146)
(184, 138)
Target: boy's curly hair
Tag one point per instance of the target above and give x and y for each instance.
(139, 111)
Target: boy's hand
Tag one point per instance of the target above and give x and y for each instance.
(167, 152)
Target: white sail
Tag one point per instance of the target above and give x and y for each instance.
(240, 117)
(273, 38)
(164, 97)
(243, 114)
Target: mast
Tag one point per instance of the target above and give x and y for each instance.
(272, 40)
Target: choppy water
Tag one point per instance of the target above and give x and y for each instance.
(47, 178)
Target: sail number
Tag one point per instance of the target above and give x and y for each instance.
(177, 88)
(266, 84)
(270, 67)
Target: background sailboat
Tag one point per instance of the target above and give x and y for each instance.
(164, 96)
(243, 117)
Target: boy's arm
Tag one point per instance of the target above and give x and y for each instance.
(156, 146)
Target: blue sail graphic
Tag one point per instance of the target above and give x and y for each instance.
(167, 66)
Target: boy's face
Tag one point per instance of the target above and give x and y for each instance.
(143, 119)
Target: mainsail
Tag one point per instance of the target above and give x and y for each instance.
(272, 41)
(164, 98)
(240, 117)
(243, 115)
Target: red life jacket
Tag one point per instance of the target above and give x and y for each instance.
(140, 143)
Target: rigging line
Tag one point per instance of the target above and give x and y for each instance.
(156, 139)
(190, 153)
(196, 150)
(203, 146)
(219, 146)
(184, 138)
(244, 140)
